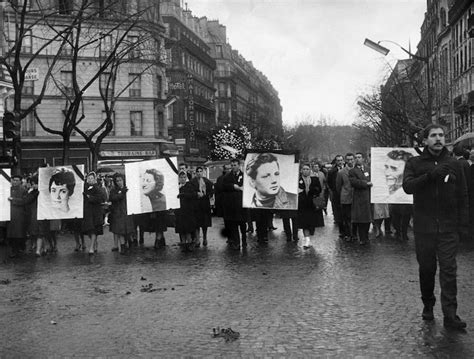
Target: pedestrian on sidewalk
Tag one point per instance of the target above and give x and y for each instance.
(121, 224)
(440, 211)
(309, 217)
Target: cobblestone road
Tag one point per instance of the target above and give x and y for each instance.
(334, 300)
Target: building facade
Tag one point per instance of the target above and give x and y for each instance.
(461, 22)
(190, 72)
(138, 81)
(244, 95)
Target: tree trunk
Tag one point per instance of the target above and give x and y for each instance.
(66, 144)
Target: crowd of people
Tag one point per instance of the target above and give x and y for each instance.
(442, 185)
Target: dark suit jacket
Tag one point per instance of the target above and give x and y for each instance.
(232, 207)
(361, 210)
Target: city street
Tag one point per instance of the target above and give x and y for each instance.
(335, 300)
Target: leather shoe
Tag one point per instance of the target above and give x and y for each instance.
(427, 312)
(454, 323)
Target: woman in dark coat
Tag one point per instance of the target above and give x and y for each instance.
(308, 217)
(93, 221)
(16, 228)
(121, 224)
(186, 215)
(205, 190)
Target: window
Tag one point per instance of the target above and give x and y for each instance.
(28, 88)
(28, 125)
(219, 51)
(134, 51)
(222, 109)
(135, 123)
(159, 86)
(222, 89)
(161, 124)
(135, 81)
(66, 80)
(27, 43)
(64, 6)
(106, 45)
(104, 116)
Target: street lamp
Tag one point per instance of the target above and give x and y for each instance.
(384, 51)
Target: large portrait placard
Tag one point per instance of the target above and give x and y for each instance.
(387, 166)
(60, 192)
(270, 181)
(5, 186)
(152, 185)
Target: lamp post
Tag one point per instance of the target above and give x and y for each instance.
(384, 51)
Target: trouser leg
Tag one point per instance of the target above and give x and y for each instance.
(447, 246)
(294, 223)
(287, 228)
(425, 245)
(363, 231)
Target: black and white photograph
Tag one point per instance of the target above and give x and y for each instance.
(387, 166)
(4, 194)
(152, 186)
(264, 178)
(270, 181)
(60, 192)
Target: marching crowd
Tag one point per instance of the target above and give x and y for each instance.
(441, 183)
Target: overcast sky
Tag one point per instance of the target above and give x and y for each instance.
(312, 50)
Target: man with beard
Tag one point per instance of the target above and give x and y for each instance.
(439, 190)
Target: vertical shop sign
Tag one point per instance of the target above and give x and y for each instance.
(191, 123)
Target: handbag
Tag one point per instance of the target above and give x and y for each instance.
(318, 203)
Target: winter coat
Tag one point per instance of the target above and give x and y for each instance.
(438, 205)
(219, 196)
(16, 227)
(93, 209)
(361, 209)
(344, 187)
(31, 212)
(308, 216)
(203, 204)
(120, 222)
(232, 208)
(186, 214)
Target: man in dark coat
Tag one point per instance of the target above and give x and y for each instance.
(440, 211)
(219, 193)
(205, 190)
(333, 193)
(16, 228)
(361, 210)
(234, 214)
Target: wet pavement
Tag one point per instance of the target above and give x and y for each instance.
(335, 300)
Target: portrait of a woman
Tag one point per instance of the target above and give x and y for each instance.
(152, 184)
(61, 188)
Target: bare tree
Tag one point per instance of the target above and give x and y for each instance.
(394, 114)
(318, 138)
(101, 33)
(24, 27)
